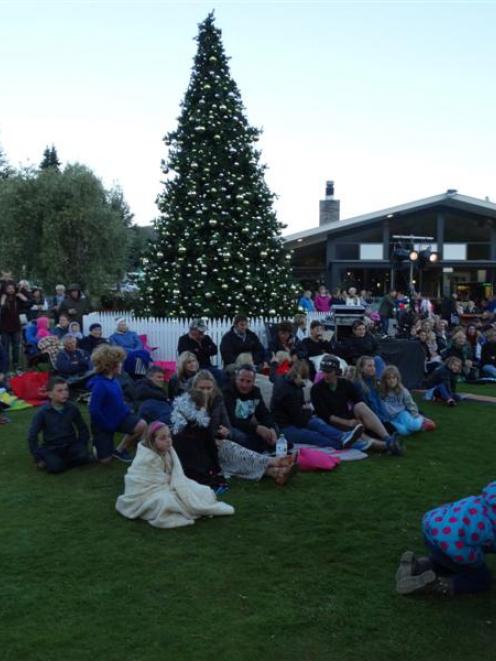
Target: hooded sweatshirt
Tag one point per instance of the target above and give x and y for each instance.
(107, 406)
(42, 331)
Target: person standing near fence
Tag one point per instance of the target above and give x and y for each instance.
(12, 304)
(240, 339)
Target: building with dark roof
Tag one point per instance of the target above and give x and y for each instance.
(363, 251)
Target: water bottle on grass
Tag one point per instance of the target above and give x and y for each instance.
(281, 446)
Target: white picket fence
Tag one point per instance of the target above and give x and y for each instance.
(165, 333)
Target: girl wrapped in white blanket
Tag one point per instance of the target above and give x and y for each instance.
(157, 490)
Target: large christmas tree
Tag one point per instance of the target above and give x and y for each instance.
(218, 249)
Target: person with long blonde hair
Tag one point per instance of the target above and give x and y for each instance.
(186, 368)
(399, 405)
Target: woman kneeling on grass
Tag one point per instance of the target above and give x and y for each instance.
(399, 406)
(157, 490)
(457, 535)
(109, 413)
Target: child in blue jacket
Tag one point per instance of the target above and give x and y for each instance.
(457, 535)
(109, 413)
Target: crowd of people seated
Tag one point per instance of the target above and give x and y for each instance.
(310, 388)
(227, 421)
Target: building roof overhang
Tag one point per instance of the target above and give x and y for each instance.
(453, 200)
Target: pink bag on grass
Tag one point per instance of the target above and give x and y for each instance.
(316, 460)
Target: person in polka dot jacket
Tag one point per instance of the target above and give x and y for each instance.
(457, 535)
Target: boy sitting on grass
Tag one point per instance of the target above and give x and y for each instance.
(65, 434)
(109, 413)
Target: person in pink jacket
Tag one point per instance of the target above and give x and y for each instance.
(322, 300)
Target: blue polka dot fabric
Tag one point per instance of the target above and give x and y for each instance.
(466, 529)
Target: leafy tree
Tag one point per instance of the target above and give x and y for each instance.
(5, 169)
(62, 227)
(218, 249)
(50, 159)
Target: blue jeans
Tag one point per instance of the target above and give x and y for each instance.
(445, 394)
(405, 423)
(59, 459)
(384, 324)
(467, 579)
(316, 432)
(489, 370)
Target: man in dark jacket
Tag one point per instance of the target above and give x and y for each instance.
(387, 309)
(75, 305)
(313, 345)
(240, 339)
(252, 423)
(90, 342)
(202, 346)
(198, 343)
(360, 343)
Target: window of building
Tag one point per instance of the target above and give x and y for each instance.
(478, 251)
(454, 251)
(371, 251)
(347, 251)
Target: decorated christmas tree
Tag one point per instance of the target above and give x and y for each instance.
(218, 248)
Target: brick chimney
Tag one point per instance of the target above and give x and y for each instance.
(328, 207)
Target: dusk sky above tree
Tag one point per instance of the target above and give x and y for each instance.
(394, 101)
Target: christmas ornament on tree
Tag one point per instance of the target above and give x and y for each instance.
(217, 236)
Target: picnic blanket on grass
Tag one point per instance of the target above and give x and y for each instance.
(344, 455)
(10, 402)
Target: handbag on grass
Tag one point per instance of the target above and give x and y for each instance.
(316, 460)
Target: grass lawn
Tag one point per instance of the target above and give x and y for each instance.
(300, 573)
(488, 389)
